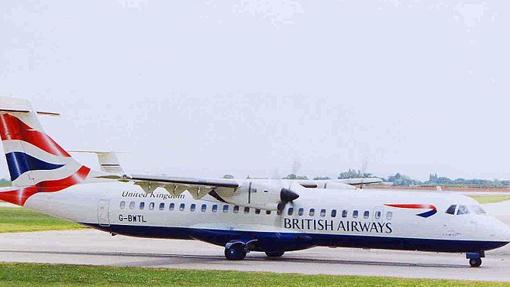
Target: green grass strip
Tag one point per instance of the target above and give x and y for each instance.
(72, 275)
(483, 199)
(15, 219)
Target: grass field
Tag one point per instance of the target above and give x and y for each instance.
(483, 199)
(13, 219)
(72, 275)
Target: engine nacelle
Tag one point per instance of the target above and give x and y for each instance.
(259, 194)
(325, 184)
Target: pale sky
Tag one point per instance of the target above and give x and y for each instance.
(264, 88)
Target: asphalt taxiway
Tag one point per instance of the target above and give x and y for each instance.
(98, 248)
(93, 247)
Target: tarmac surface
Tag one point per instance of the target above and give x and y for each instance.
(93, 247)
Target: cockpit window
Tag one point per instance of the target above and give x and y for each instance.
(451, 209)
(477, 209)
(462, 210)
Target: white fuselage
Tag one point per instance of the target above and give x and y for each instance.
(351, 218)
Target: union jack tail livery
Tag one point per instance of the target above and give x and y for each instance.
(36, 162)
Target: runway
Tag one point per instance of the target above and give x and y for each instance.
(92, 247)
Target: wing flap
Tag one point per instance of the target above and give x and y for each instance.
(175, 186)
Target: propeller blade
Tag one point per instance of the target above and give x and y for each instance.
(287, 195)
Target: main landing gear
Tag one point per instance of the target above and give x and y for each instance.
(475, 258)
(274, 254)
(237, 250)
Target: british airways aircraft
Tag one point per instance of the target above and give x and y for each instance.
(242, 215)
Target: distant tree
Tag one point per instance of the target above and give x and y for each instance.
(321, 178)
(402, 180)
(5, 182)
(352, 173)
(434, 179)
(293, 176)
(228, 176)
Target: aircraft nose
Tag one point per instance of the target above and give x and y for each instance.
(501, 231)
(507, 233)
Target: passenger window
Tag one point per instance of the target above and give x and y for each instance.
(312, 212)
(355, 214)
(151, 205)
(122, 204)
(214, 208)
(377, 215)
(323, 212)
(301, 211)
(451, 209)
(204, 208)
(462, 210)
(389, 215)
(246, 210)
(132, 205)
(193, 207)
(142, 205)
(268, 212)
(333, 213)
(236, 209)
(290, 211)
(366, 214)
(171, 206)
(257, 211)
(182, 207)
(225, 208)
(161, 206)
(344, 213)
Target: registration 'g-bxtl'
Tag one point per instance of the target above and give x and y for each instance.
(270, 216)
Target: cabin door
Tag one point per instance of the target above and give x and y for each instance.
(103, 213)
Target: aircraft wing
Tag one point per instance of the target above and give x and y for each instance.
(197, 187)
(360, 181)
(186, 180)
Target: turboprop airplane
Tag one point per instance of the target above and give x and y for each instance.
(242, 215)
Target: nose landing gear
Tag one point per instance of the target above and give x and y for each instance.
(475, 258)
(475, 262)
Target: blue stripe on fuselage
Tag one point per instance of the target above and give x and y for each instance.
(20, 162)
(297, 241)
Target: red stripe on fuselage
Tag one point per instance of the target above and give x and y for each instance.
(12, 128)
(412, 206)
(20, 196)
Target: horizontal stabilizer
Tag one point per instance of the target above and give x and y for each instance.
(108, 161)
(13, 105)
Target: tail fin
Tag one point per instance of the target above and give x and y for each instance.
(34, 159)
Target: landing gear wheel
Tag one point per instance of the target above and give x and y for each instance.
(475, 262)
(274, 254)
(235, 252)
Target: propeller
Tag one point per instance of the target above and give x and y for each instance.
(286, 196)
